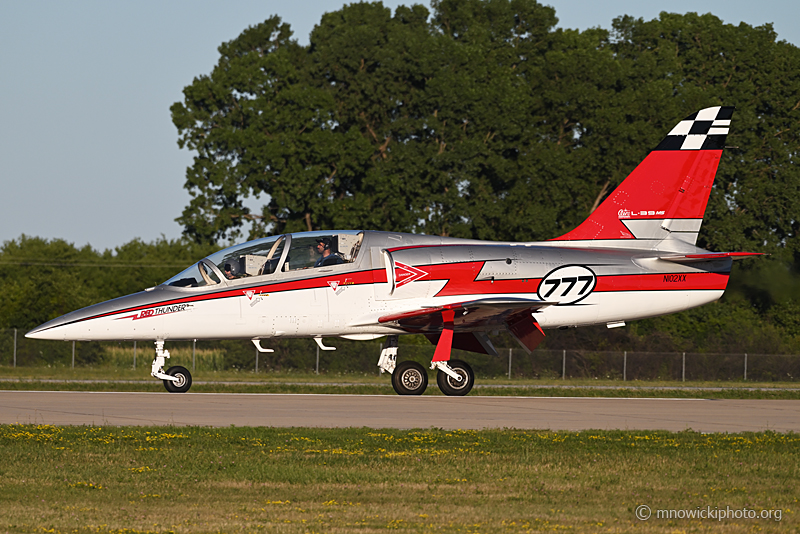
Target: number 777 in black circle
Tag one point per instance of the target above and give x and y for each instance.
(572, 281)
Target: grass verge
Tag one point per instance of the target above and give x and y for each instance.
(104, 378)
(134, 479)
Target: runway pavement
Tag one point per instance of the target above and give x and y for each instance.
(388, 411)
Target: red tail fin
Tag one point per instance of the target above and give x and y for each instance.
(666, 195)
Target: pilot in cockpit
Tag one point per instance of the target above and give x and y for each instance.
(232, 270)
(327, 256)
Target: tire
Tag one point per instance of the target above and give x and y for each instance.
(409, 378)
(451, 387)
(184, 382)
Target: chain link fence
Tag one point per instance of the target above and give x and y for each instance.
(354, 357)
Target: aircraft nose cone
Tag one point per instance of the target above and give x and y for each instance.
(37, 333)
(77, 325)
(50, 330)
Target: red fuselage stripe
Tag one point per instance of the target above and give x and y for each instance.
(344, 279)
(662, 282)
(461, 281)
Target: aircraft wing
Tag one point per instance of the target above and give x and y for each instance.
(468, 315)
(459, 325)
(691, 258)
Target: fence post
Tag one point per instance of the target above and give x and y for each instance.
(15, 347)
(564, 364)
(134, 355)
(683, 369)
(317, 368)
(509, 364)
(73, 355)
(625, 366)
(194, 343)
(745, 366)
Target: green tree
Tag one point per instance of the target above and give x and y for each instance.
(484, 120)
(260, 127)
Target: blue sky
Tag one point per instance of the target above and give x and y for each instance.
(87, 149)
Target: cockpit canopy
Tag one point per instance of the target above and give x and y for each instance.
(269, 255)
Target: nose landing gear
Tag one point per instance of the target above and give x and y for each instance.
(182, 382)
(177, 379)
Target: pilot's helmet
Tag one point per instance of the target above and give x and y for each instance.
(325, 241)
(232, 268)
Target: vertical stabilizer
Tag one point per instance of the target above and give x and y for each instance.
(666, 195)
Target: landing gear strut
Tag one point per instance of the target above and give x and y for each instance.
(388, 359)
(177, 379)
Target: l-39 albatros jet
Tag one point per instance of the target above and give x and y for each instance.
(634, 257)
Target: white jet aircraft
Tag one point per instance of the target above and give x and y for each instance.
(634, 257)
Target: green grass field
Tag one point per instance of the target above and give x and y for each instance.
(112, 479)
(114, 378)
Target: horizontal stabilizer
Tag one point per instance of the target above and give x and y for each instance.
(691, 258)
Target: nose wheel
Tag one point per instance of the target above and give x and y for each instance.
(182, 382)
(177, 379)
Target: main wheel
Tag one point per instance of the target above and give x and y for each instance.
(456, 388)
(409, 378)
(184, 380)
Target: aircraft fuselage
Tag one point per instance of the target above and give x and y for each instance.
(394, 272)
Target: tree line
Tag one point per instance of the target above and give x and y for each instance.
(478, 119)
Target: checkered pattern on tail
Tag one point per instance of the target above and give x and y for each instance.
(704, 130)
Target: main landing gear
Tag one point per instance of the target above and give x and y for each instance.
(177, 379)
(454, 377)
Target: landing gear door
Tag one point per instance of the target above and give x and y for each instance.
(382, 273)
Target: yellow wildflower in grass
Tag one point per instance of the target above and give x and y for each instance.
(139, 469)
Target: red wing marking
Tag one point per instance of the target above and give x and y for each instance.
(405, 274)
